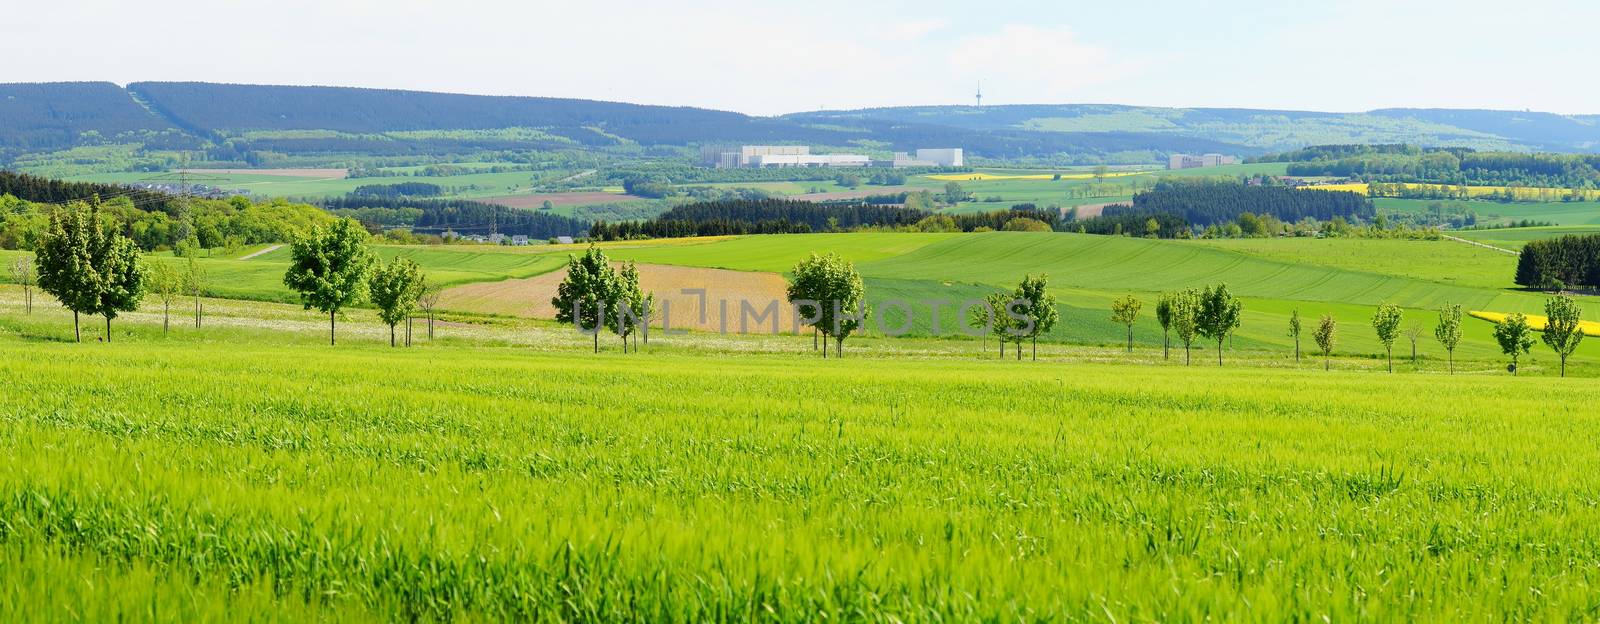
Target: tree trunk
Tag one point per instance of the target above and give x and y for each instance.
(391, 335)
(838, 349)
(77, 334)
(1326, 364)
(331, 338)
(1563, 366)
(1452, 361)
(1296, 349)
(1166, 345)
(1219, 352)
(166, 317)
(197, 311)
(824, 349)
(1186, 360)
(108, 328)
(408, 330)
(1130, 339)
(1035, 349)
(596, 339)
(430, 324)
(1391, 359)
(813, 338)
(1002, 348)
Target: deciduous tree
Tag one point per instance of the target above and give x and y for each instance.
(1294, 332)
(329, 267)
(1186, 320)
(65, 259)
(429, 301)
(1125, 310)
(1164, 317)
(1218, 315)
(1386, 322)
(167, 284)
(24, 274)
(394, 288)
(1040, 309)
(1515, 337)
(1563, 327)
(588, 293)
(1448, 331)
(1326, 335)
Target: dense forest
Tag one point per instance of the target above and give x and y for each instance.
(1409, 163)
(197, 224)
(777, 216)
(437, 216)
(1205, 202)
(401, 189)
(51, 191)
(1560, 263)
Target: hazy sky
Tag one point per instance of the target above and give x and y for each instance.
(777, 57)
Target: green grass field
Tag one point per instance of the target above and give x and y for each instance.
(1559, 213)
(249, 473)
(1515, 238)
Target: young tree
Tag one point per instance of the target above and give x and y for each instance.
(630, 306)
(65, 259)
(1186, 320)
(167, 285)
(1218, 315)
(429, 301)
(1515, 337)
(994, 316)
(805, 292)
(1125, 310)
(1386, 322)
(25, 275)
(588, 291)
(1041, 311)
(1563, 327)
(1448, 331)
(122, 282)
(1294, 332)
(1326, 335)
(194, 281)
(844, 305)
(329, 269)
(395, 288)
(1164, 317)
(1414, 334)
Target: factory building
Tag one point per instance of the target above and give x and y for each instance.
(1189, 161)
(759, 156)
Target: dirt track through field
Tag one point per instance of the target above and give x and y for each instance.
(530, 298)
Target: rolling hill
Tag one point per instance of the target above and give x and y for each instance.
(1262, 129)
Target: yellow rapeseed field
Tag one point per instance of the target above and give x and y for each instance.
(1589, 328)
(1522, 192)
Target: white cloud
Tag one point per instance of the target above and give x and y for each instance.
(917, 29)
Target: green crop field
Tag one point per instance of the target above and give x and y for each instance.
(1515, 238)
(225, 473)
(1558, 213)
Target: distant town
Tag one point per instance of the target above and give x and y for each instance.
(767, 156)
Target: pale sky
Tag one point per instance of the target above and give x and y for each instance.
(778, 57)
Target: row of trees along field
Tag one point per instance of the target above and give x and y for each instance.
(1208, 202)
(1409, 163)
(1571, 261)
(595, 295)
(779, 216)
(91, 269)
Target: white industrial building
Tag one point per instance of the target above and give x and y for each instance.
(759, 156)
(1189, 161)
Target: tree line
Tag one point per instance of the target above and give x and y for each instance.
(437, 216)
(1409, 163)
(1207, 202)
(1571, 261)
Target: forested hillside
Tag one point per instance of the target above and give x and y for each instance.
(1411, 163)
(54, 115)
(1267, 129)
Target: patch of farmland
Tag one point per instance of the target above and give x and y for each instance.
(857, 194)
(337, 174)
(531, 297)
(560, 199)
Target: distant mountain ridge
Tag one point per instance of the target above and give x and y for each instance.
(234, 123)
(1262, 128)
